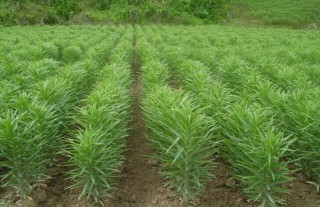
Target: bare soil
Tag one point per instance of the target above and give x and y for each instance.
(302, 193)
(224, 191)
(141, 185)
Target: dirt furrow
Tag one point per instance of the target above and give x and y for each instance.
(140, 183)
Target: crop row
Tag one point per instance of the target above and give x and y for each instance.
(96, 149)
(33, 123)
(177, 128)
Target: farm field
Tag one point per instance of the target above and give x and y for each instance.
(159, 116)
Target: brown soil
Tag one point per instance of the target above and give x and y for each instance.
(302, 193)
(140, 183)
(142, 186)
(223, 190)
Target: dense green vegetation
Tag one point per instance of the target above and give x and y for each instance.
(96, 150)
(95, 11)
(248, 96)
(39, 100)
(298, 13)
(254, 88)
(177, 127)
(274, 12)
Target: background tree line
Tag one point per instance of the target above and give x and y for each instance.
(126, 10)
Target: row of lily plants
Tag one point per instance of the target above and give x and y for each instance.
(95, 150)
(179, 131)
(33, 123)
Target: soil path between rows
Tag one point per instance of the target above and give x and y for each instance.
(140, 184)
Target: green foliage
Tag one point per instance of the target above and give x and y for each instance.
(302, 119)
(157, 75)
(177, 128)
(255, 151)
(182, 135)
(297, 13)
(66, 8)
(30, 133)
(93, 159)
(272, 12)
(202, 9)
(255, 91)
(51, 12)
(28, 140)
(35, 114)
(250, 111)
(71, 54)
(96, 151)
